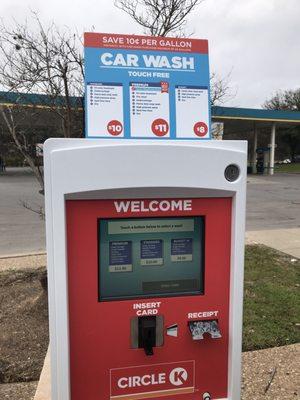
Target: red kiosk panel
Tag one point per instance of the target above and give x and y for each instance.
(103, 362)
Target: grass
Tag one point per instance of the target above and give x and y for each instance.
(290, 168)
(271, 299)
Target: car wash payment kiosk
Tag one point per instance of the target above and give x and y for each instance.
(145, 242)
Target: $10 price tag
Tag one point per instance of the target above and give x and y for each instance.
(115, 127)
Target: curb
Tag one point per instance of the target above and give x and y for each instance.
(19, 255)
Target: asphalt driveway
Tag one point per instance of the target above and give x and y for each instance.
(273, 202)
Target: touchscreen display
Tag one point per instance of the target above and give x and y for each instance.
(150, 257)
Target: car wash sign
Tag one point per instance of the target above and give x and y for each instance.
(146, 87)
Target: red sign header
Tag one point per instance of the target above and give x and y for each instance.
(135, 42)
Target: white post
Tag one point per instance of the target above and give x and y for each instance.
(254, 155)
(272, 149)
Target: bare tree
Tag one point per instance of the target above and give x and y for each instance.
(169, 17)
(159, 17)
(48, 62)
(220, 89)
(288, 100)
(43, 60)
(14, 121)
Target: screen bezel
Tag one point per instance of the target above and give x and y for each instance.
(199, 292)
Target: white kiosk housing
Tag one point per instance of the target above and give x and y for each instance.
(79, 170)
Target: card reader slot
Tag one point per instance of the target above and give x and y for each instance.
(146, 333)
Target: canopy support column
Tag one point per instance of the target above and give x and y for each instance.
(272, 149)
(254, 155)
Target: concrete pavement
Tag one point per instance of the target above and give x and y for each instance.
(273, 212)
(23, 262)
(43, 391)
(285, 240)
(273, 202)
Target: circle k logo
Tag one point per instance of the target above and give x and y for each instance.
(178, 376)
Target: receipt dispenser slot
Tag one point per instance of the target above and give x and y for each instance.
(199, 328)
(147, 333)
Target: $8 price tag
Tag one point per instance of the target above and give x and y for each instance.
(200, 129)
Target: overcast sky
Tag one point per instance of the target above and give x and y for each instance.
(258, 41)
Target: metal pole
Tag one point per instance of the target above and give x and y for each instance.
(254, 156)
(272, 149)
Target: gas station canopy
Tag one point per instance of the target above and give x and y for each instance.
(230, 114)
(241, 120)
